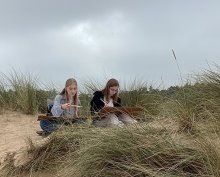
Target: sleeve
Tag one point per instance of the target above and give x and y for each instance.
(56, 109)
(96, 104)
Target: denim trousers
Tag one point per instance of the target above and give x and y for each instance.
(48, 125)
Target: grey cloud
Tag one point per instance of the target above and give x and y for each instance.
(123, 38)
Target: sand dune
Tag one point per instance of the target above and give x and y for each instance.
(15, 129)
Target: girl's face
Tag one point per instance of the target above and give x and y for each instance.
(71, 89)
(113, 90)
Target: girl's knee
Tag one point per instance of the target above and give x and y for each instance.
(112, 119)
(126, 119)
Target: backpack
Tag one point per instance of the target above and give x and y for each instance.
(49, 107)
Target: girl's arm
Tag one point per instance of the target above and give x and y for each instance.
(56, 110)
(96, 103)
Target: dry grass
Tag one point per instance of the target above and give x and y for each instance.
(133, 151)
(182, 139)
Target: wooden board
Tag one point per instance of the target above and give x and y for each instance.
(46, 117)
(132, 111)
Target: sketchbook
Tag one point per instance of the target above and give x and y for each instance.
(132, 111)
(61, 119)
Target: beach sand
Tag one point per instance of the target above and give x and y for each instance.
(15, 129)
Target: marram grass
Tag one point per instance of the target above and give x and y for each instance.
(135, 151)
(124, 152)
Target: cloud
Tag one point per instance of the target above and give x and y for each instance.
(58, 39)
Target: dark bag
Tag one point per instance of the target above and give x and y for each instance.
(49, 107)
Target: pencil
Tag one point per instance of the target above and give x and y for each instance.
(75, 106)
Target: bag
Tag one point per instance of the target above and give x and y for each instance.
(49, 107)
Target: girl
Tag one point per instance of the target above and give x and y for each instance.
(109, 97)
(65, 105)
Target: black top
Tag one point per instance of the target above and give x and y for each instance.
(96, 103)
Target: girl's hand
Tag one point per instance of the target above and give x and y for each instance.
(65, 106)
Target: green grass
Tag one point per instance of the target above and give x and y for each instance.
(147, 149)
(133, 151)
(22, 92)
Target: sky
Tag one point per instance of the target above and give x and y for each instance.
(99, 39)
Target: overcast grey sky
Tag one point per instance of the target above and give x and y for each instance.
(56, 40)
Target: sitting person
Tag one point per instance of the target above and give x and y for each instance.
(108, 97)
(65, 105)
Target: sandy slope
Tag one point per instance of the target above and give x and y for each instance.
(15, 128)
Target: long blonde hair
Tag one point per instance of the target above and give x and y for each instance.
(69, 82)
(111, 83)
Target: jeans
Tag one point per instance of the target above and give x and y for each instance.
(48, 126)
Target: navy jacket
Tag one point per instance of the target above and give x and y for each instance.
(96, 103)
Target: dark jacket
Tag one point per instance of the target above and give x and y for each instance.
(96, 103)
